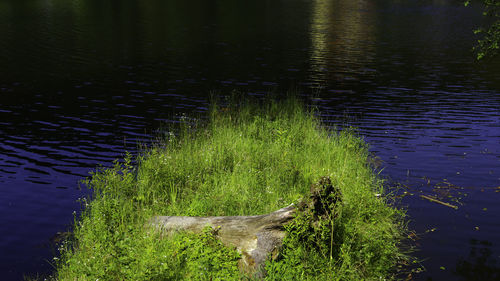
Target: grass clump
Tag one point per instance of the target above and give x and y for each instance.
(250, 158)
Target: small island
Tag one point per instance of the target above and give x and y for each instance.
(248, 158)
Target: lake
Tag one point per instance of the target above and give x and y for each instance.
(82, 82)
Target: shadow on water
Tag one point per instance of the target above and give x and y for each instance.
(480, 264)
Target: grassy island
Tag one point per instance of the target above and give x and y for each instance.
(249, 158)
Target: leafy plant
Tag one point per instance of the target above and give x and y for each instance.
(489, 44)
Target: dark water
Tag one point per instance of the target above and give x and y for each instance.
(81, 82)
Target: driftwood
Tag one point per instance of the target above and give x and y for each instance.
(432, 199)
(255, 237)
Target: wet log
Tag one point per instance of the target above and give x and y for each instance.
(256, 237)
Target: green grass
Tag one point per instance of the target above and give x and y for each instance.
(250, 158)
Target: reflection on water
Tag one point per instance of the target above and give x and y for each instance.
(319, 38)
(342, 40)
(81, 82)
(481, 264)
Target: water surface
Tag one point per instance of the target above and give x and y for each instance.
(81, 82)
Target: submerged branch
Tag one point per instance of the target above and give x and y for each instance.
(439, 201)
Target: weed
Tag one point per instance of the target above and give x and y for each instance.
(249, 158)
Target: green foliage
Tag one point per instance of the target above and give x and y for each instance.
(251, 157)
(340, 242)
(310, 246)
(203, 257)
(489, 45)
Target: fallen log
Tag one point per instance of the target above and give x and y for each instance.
(256, 237)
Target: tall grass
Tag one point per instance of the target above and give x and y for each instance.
(251, 157)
